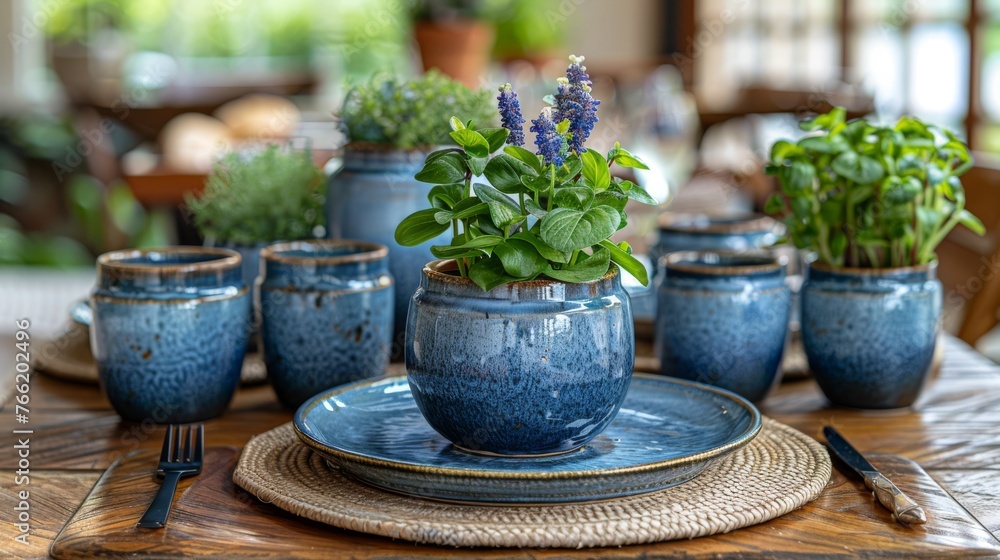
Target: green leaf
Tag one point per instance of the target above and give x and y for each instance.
(478, 164)
(567, 229)
(775, 205)
(503, 211)
(473, 247)
(569, 169)
(495, 137)
(447, 168)
(474, 143)
(586, 269)
(783, 149)
(466, 208)
(797, 177)
(595, 170)
(419, 227)
(543, 248)
(858, 168)
(446, 196)
(456, 124)
(562, 127)
(520, 258)
(827, 121)
(824, 144)
(579, 198)
(536, 183)
(969, 220)
(490, 273)
(612, 198)
(636, 193)
(525, 157)
(859, 194)
(627, 262)
(534, 209)
(622, 157)
(504, 172)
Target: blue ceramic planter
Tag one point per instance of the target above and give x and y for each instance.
(327, 315)
(251, 271)
(869, 334)
(372, 193)
(697, 232)
(528, 368)
(169, 331)
(722, 319)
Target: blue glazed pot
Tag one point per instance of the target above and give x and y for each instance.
(699, 232)
(251, 272)
(869, 334)
(372, 193)
(327, 315)
(528, 368)
(723, 320)
(169, 331)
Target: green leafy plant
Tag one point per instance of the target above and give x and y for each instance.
(546, 214)
(268, 196)
(865, 195)
(410, 114)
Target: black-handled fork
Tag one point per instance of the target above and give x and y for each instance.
(176, 462)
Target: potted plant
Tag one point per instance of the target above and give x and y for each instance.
(872, 202)
(252, 200)
(520, 339)
(391, 125)
(454, 36)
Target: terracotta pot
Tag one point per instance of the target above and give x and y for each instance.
(459, 50)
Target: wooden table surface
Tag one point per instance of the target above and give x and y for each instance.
(952, 433)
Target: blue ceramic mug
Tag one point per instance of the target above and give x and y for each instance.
(722, 319)
(327, 315)
(169, 331)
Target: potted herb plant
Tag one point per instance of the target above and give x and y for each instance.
(454, 36)
(252, 200)
(519, 340)
(391, 126)
(872, 202)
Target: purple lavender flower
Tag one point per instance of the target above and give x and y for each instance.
(548, 140)
(575, 104)
(510, 115)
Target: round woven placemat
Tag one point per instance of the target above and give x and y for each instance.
(779, 471)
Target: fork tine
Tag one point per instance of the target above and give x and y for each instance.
(168, 444)
(188, 436)
(176, 453)
(199, 443)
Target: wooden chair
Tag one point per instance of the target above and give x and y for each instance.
(970, 265)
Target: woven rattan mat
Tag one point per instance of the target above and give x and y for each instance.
(779, 471)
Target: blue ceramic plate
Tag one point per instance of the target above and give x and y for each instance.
(667, 432)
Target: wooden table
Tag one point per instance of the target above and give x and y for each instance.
(953, 434)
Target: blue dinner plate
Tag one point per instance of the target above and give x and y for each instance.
(666, 433)
(80, 312)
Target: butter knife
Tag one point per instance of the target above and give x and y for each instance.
(904, 510)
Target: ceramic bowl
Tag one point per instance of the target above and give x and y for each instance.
(722, 319)
(327, 312)
(169, 331)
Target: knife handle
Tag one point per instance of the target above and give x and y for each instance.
(902, 507)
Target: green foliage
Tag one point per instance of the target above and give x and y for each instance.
(864, 195)
(527, 28)
(414, 113)
(535, 220)
(269, 196)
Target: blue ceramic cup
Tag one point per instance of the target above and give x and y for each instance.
(722, 319)
(327, 315)
(169, 331)
(702, 232)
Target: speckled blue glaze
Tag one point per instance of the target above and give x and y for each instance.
(698, 232)
(869, 334)
(666, 433)
(723, 320)
(169, 331)
(327, 315)
(524, 369)
(251, 271)
(372, 193)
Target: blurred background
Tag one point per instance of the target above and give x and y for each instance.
(112, 110)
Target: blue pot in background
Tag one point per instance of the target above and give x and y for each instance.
(169, 331)
(371, 194)
(699, 232)
(528, 368)
(251, 272)
(869, 334)
(722, 319)
(327, 309)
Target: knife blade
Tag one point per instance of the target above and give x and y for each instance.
(904, 510)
